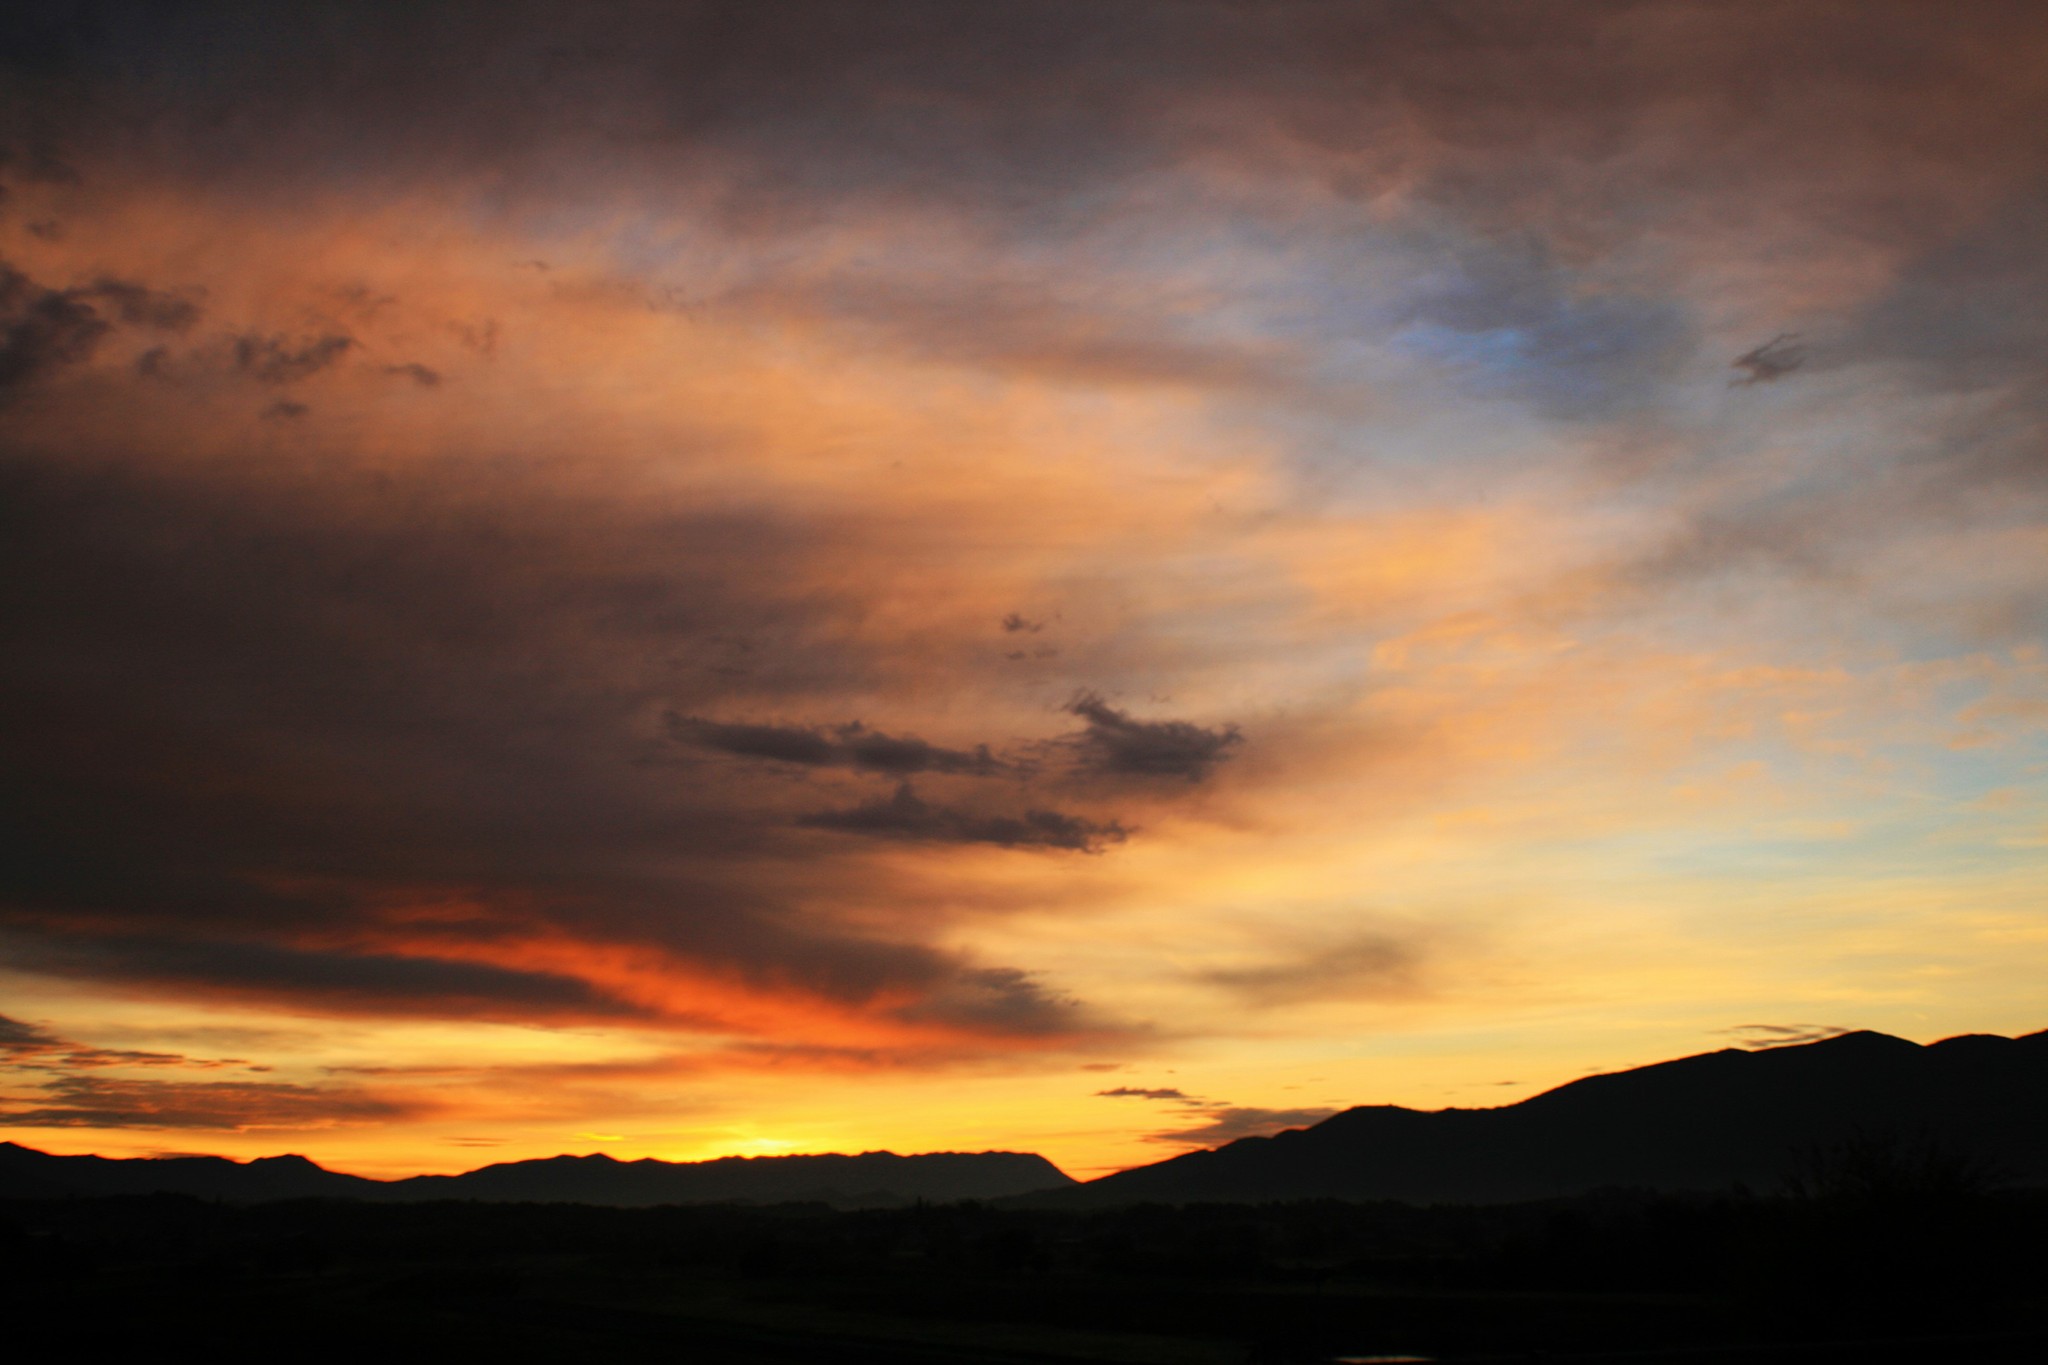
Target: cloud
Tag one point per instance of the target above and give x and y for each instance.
(1760, 1036)
(1515, 321)
(1017, 621)
(1005, 1001)
(846, 746)
(43, 330)
(906, 816)
(1116, 745)
(233, 1106)
(1221, 1122)
(18, 1039)
(1372, 964)
(366, 744)
(280, 360)
(1770, 362)
(1228, 1123)
(339, 981)
(146, 307)
(424, 376)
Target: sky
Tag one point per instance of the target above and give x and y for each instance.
(716, 579)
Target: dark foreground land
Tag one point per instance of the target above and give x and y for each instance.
(1900, 1275)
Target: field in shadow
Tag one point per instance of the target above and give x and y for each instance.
(1860, 1260)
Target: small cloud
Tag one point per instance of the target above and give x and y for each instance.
(1221, 1121)
(1115, 744)
(240, 1106)
(48, 230)
(286, 410)
(419, 374)
(1377, 964)
(1229, 1122)
(1017, 621)
(907, 816)
(151, 308)
(852, 745)
(1757, 1037)
(274, 360)
(1769, 362)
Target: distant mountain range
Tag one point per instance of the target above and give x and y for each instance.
(1707, 1122)
(871, 1179)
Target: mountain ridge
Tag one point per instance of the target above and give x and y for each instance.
(1709, 1121)
(866, 1179)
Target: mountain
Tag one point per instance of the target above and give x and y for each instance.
(867, 1180)
(28, 1174)
(1700, 1123)
(872, 1178)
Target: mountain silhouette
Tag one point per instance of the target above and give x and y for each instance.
(1706, 1122)
(871, 1179)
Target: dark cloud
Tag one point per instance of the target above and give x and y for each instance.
(43, 330)
(907, 816)
(1116, 745)
(281, 360)
(845, 746)
(1228, 1123)
(419, 374)
(1007, 1001)
(1769, 362)
(1758, 1036)
(247, 730)
(25, 1047)
(1017, 621)
(132, 303)
(1221, 1122)
(20, 1039)
(109, 1102)
(337, 981)
(284, 410)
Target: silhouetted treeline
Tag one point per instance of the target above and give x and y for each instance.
(1843, 1261)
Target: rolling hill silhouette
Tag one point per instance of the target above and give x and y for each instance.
(871, 1179)
(1706, 1122)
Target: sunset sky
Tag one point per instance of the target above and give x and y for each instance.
(738, 578)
